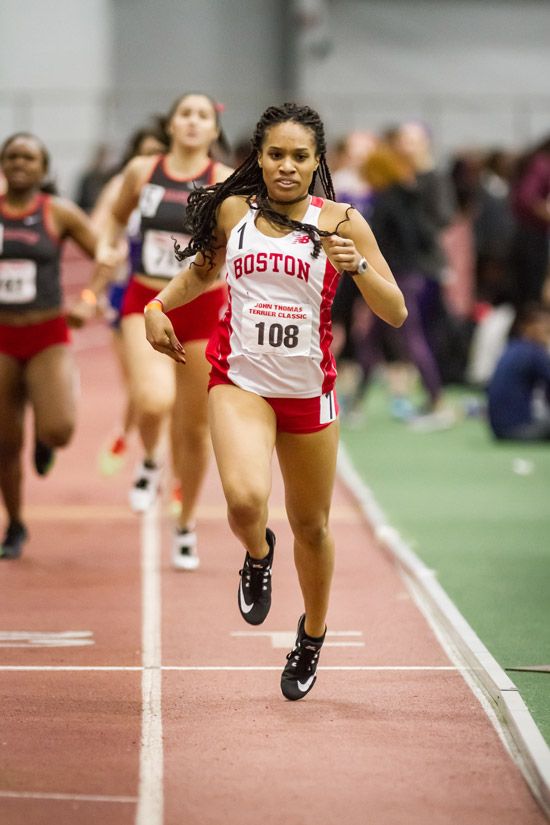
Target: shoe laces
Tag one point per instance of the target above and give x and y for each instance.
(186, 543)
(147, 474)
(304, 657)
(256, 574)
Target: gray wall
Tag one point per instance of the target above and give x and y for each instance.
(55, 73)
(235, 50)
(81, 71)
(477, 70)
(78, 72)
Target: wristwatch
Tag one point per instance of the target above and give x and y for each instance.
(362, 267)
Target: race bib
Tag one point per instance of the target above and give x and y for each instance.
(328, 411)
(17, 281)
(150, 198)
(159, 257)
(277, 329)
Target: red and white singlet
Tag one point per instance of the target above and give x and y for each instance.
(275, 337)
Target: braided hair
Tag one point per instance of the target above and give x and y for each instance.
(248, 180)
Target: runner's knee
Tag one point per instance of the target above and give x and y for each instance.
(56, 435)
(151, 401)
(310, 532)
(245, 507)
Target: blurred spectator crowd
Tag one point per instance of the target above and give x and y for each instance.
(468, 243)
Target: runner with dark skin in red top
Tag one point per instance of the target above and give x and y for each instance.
(272, 378)
(36, 363)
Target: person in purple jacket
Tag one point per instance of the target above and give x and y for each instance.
(521, 378)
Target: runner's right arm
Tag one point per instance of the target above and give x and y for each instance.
(190, 283)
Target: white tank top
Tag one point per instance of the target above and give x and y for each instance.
(275, 337)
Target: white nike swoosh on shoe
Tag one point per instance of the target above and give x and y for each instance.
(246, 608)
(303, 686)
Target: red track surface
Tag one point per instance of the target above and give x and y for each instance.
(380, 746)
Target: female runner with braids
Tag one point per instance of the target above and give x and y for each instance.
(272, 373)
(160, 187)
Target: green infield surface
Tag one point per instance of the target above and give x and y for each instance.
(478, 513)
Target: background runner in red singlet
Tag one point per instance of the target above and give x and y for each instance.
(272, 379)
(160, 186)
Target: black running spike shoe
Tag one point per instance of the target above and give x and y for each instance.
(13, 541)
(44, 458)
(299, 674)
(255, 584)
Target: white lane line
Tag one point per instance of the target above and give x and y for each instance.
(344, 644)
(245, 633)
(284, 639)
(72, 668)
(199, 668)
(71, 797)
(34, 638)
(150, 806)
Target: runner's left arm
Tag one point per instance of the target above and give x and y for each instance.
(377, 285)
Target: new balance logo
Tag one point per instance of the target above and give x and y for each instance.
(302, 239)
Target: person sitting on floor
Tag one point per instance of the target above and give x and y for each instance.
(519, 390)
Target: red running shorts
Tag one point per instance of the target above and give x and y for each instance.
(195, 321)
(24, 342)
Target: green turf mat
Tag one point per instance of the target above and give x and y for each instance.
(478, 513)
